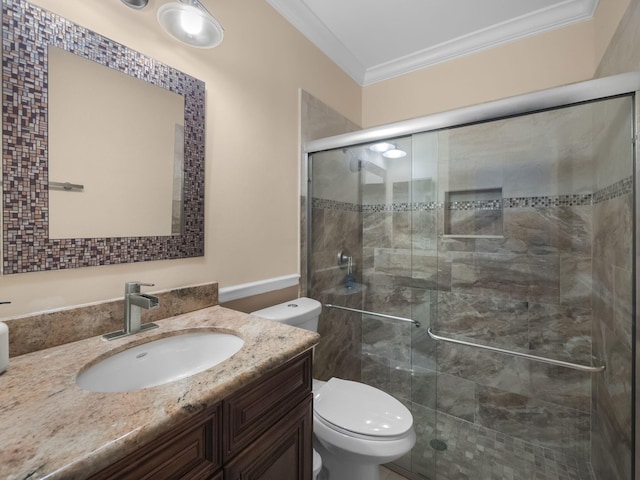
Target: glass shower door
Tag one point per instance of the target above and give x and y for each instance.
(534, 254)
(513, 233)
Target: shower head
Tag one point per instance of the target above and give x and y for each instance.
(355, 164)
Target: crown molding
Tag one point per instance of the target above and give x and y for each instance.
(535, 23)
(540, 21)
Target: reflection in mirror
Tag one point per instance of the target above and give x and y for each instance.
(119, 137)
(33, 238)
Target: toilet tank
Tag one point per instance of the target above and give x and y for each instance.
(302, 313)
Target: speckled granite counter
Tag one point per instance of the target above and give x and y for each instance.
(51, 428)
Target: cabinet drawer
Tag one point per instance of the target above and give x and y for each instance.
(252, 410)
(191, 452)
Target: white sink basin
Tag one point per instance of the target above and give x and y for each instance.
(160, 361)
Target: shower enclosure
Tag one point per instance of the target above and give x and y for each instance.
(479, 266)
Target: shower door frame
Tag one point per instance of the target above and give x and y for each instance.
(627, 83)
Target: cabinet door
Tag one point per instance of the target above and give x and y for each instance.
(250, 411)
(192, 452)
(284, 452)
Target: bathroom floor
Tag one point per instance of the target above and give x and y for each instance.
(474, 452)
(386, 474)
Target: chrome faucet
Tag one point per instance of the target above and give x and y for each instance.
(134, 301)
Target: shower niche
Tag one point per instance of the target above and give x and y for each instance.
(473, 213)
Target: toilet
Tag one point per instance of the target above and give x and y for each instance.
(356, 427)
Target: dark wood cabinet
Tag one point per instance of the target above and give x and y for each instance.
(283, 452)
(192, 451)
(261, 432)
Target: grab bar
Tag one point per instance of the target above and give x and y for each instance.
(374, 314)
(560, 363)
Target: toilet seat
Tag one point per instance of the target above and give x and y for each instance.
(362, 411)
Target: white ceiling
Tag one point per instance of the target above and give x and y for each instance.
(374, 40)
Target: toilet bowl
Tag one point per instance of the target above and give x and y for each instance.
(356, 427)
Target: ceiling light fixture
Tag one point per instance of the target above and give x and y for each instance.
(394, 153)
(137, 4)
(382, 147)
(188, 21)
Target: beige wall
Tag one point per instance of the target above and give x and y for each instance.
(553, 58)
(252, 152)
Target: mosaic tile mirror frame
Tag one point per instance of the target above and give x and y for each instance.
(27, 33)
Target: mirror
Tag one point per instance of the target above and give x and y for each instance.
(125, 157)
(131, 180)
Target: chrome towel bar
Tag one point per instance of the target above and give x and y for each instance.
(560, 363)
(374, 314)
(66, 186)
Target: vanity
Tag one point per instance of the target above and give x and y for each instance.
(248, 417)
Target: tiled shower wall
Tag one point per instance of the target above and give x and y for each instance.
(612, 301)
(514, 272)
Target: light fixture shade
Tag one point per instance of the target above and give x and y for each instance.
(137, 4)
(381, 147)
(190, 24)
(395, 153)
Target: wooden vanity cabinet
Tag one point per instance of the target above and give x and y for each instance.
(261, 432)
(268, 426)
(192, 451)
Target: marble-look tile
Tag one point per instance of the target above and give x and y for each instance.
(423, 347)
(612, 232)
(496, 321)
(424, 234)
(376, 371)
(377, 229)
(423, 386)
(623, 304)
(612, 392)
(521, 277)
(455, 396)
(561, 332)
(45, 330)
(548, 230)
(338, 353)
(531, 227)
(576, 284)
(319, 120)
(541, 423)
(561, 386)
(342, 230)
(402, 233)
(485, 368)
(388, 338)
(474, 222)
(611, 453)
(621, 56)
(395, 262)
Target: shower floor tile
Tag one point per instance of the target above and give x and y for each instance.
(474, 452)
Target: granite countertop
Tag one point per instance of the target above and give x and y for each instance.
(51, 428)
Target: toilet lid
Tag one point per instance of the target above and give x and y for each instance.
(361, 409)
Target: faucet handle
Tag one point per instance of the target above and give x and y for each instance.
(134, 287)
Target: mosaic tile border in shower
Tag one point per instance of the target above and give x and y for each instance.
(550, 201)
(618, 189)
(27, 33)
